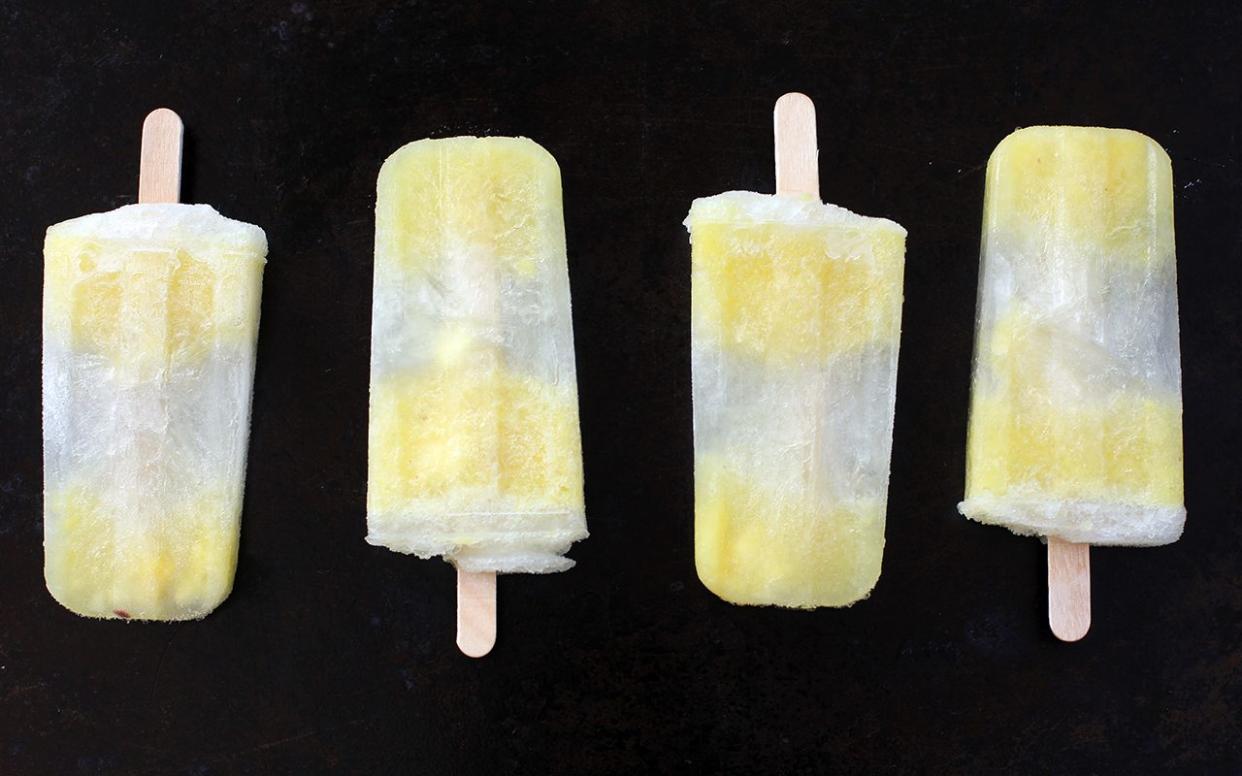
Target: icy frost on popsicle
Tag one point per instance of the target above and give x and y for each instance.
(796, 319)
(150, 315)
(475, 452)
(1075, 424)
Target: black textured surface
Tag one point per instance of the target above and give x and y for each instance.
(332, 656)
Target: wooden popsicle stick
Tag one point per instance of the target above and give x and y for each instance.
(476, 612)
(476, 591)
(797, 151)
(797, 174)
(1069, 589)
(159, 173)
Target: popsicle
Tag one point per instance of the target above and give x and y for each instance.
(474, 446)
(1075, 427)
(795, 327)
(150, 315)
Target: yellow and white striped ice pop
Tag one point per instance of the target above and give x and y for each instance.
(1076, 407)
(474, 447)
(796, 322)
(150, 316)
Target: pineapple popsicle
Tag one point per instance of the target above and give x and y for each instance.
(474, 446)
(796, 321)
(150, 315)
(1075, 421)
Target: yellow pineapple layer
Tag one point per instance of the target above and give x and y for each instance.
(786, 290)
(442, 199)
(1033, 433)
(473, 439)
(151, 562)
(754, 545)
(1082, 192)
(144, 310)
(1120, 448)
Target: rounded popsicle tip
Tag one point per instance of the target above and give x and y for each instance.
(474, 647)
(1069, 589)
(773, 592)
(795, 145)
(794, 101)
(1069, 633)
(1051, 137)
(86, 602)
(159, 172)
(476, 612)
(162, 118)
(429, 157)
(794, 120)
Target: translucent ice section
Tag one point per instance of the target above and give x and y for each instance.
(796, 322)
(150, 315)
(475, 452)
(1076, 408)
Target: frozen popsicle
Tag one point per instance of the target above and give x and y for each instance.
(1075, 422)
(474, 446)
(150, 315)
(796, 320)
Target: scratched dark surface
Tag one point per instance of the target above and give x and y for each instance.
(333, 656)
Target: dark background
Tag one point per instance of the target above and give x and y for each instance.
(333, 656)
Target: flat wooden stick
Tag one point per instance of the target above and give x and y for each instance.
(476, 591)
(1069, 589)
(159, 174)
(797, 174)
(476, 612)
(797, 152)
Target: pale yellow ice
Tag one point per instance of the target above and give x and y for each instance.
(146, 310)
(1082, 194)
(1030, 439)
(1075, 426)
(456, 439)
(442, 199)
(178, 564)
(757, 545)
(785, 292)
